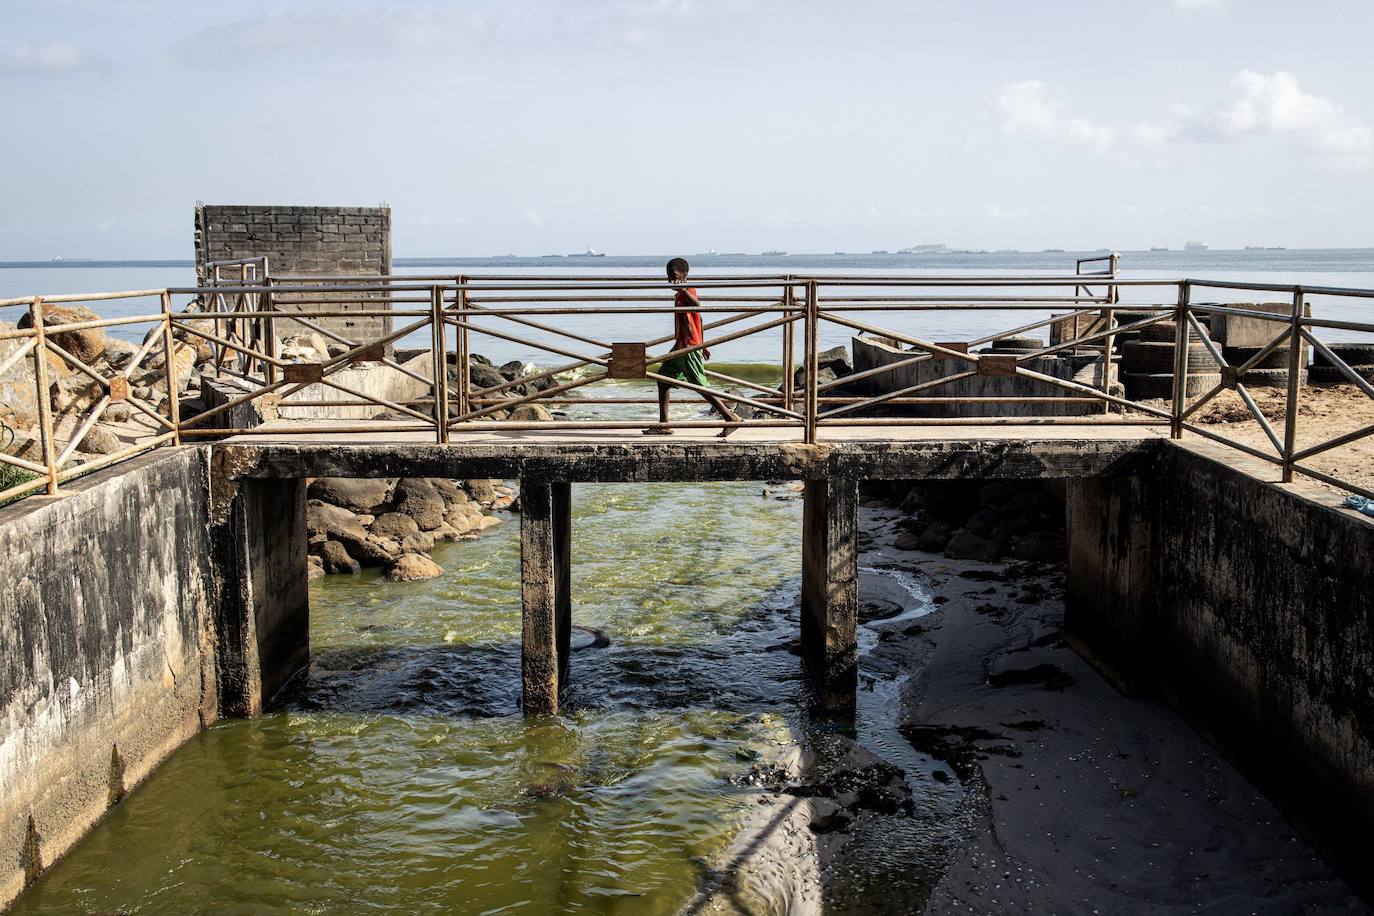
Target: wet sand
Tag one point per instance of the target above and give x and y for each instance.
(1075, 798)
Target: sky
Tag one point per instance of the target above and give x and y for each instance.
(648, 126)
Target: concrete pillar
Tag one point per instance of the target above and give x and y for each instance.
(263, 619)
(830, 591)
(545, 591)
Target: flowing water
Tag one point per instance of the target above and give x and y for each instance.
(400, 774)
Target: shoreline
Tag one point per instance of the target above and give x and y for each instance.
(1075, 798)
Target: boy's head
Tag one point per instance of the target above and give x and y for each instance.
(677, 269)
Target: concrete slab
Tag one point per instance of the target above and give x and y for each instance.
(1026, 450)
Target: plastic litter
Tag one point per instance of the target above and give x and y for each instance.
(1361, 504)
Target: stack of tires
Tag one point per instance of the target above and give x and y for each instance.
(1358, 356)
(1014, 346)
(1147, 364)
(1270, 372)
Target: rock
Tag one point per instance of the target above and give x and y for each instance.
(965, 545)
(906, 540)
(983, 521)
(836, 359)
(412, 567)
(530, 413)
(419, 542)
(86, 345)
(416, 497)
(445, 532)
(483, 491)
(464, 518)
(119, 353)
(935, 537)
(364, 494)
(334, 522)
(448, 489)
(394, 525)
(376, 551)
(485, 376)
(513, 370)
(335, 558)
(100, 441)
(204, 351)
(118, 412)
(313, 572)
(823, 377)
(1040, 545)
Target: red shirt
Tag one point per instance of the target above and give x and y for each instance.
(688, 324)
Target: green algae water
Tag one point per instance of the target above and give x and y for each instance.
(399, 774)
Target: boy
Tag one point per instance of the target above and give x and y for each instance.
(687, 367)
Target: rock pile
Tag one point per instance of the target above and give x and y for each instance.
(395, 522)
(984, 521)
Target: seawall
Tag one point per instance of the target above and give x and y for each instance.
(1251, 608)
(106, 647)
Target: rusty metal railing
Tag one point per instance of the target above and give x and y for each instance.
(580, 326)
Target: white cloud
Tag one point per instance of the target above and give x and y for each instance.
(1262, 105)
(56, 57)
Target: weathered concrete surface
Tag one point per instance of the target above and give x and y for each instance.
(865, 453)
(830, 591)
(1251, 606)
(872, 353)
(545, 591)
(263, 616)
(106, 641)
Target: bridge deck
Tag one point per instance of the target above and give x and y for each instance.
(751, 453)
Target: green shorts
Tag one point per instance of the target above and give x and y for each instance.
(689, 367)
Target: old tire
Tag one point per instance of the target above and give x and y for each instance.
(1355, 354)
(1150, 356)
(1166, 330)
(1156, 385)
(1330, 375)
(1269, 378)
(1277, 358)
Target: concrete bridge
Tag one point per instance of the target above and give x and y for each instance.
(267, 474)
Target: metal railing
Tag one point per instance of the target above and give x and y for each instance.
(238, 318)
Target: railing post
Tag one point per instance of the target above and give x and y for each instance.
(40, 374)
(169, 369)
(464, 344)
(812, 330)
(266, 304)
(1295, 351)
(1109, 319)
(789, 343)
(1180, 360)
(438, 351)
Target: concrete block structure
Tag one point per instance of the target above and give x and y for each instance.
(301, 241)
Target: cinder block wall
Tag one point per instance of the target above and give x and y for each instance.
(350, 241)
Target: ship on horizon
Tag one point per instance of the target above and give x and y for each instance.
(589, 253)
(1195, 246)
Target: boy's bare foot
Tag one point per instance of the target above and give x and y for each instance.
(658, 430)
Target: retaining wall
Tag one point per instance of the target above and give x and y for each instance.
(106, 647)
(1251, 607)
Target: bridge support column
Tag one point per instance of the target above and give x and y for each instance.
(263, 619)
(545, 591)
(830, 591)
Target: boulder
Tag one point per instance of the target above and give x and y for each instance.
(485, 376)
(334, 522)
(1040, 546)
(935, 537)
(119, 412)
(836, 359)
(393, 525)
(419, 542)
(413, 567)
(951, 501)
(464, 518)
(417, 498)
(513, 370)
(448, 489)
(336, 558)
(530, 413)
(363, 494)
(483, 491)
(965, 545)
(119, 353)
(376, 551)
(445, 532)
(983, 521)
(86, 345)
(100, 441)
(18, 404)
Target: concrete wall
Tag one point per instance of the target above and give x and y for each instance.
(106, 647)
(871, 353)
(350, 241)
(1251, 607)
